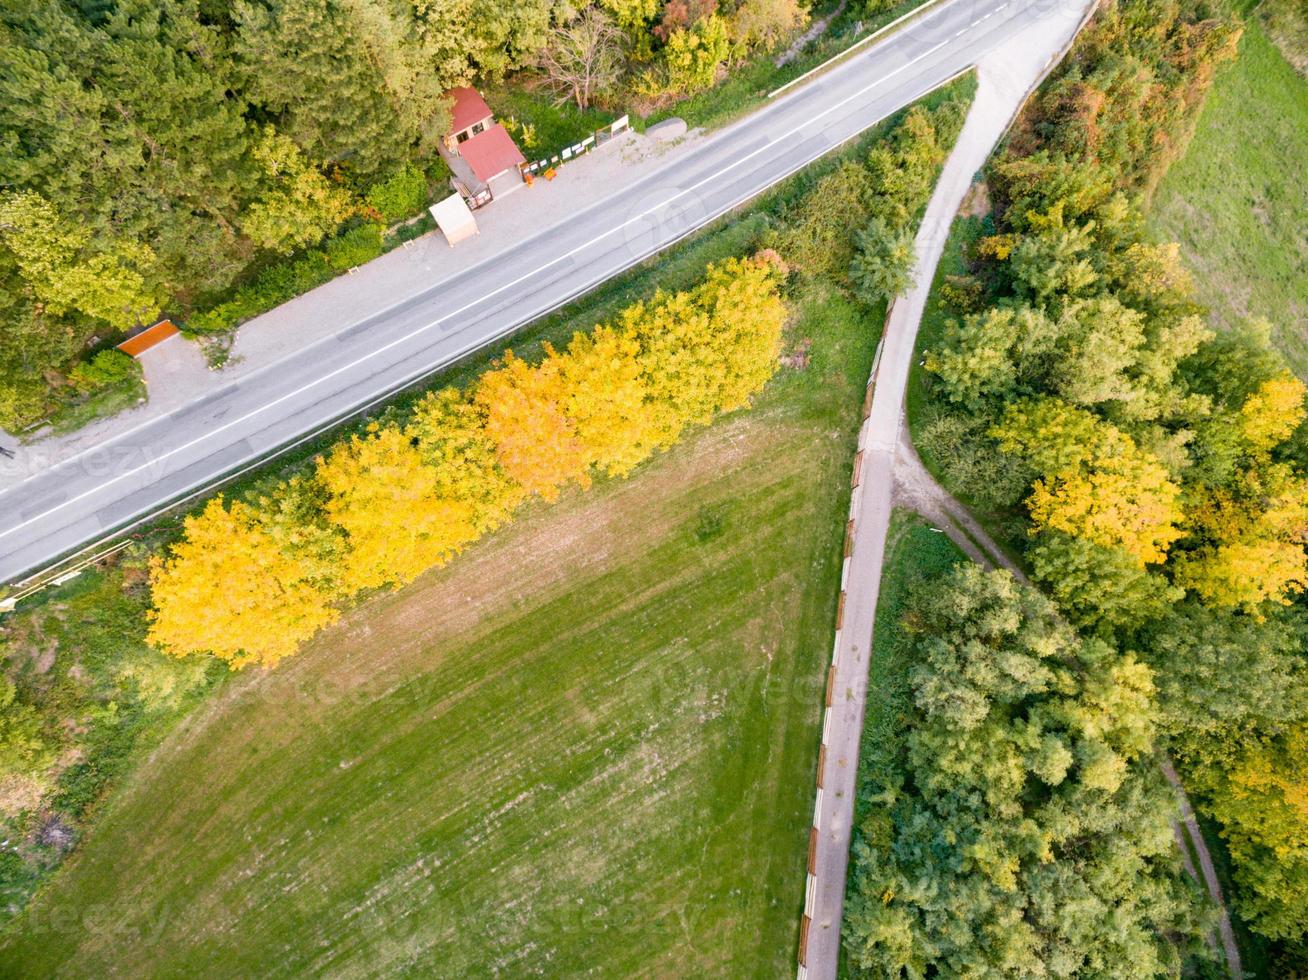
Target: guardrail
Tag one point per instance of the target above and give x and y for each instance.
(58, 576)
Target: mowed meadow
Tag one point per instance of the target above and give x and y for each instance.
(1236, 200)
(586, 747)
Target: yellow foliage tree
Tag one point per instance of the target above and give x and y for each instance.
(1097, 483)
(1126, 502)
(1262, 804)
(450, 433)
(1244, 573)
(229, 590)
(1273, 412)
(608, 400)
(713, 348)
(527, 420)
(390, 504)
(1251, 540)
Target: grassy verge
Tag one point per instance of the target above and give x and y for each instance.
(104, 697)
(962, 233)
(1236, 200)
(1286, 22)
(587, 747)
(83, 410)
(551, 124)
(914, 554)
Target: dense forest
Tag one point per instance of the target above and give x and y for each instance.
(155, 153)
(1153, 476)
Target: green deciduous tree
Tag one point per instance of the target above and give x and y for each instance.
(1002, 353)
(883, 262)
(485, 38)
(693, 55)
(298, 205)
(1027, 832)
(1222, 675)
(346, 80)
(763, 24)
(1097, 587)
(65, 272)
(108, 367)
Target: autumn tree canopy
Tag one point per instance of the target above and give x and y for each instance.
(251, 581)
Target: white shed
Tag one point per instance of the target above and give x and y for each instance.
(454, 219)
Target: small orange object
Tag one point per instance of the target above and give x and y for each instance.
(551, 173)
(147, 338)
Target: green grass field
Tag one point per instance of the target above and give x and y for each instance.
(1236, 201)
(587, 747)
(1286, 22)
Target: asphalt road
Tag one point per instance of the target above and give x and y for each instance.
(81, 500)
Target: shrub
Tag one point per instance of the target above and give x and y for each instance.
(109, 367)
(400, 195)
(286, 280)
(883, 262)
(24, 399)
(693, 56)
(355, 247)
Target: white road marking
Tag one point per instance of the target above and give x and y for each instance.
(409, 336)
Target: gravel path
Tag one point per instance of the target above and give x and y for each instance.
(888, 472)
(1006, 75)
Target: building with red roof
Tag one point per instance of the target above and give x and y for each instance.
(470, 116)
(491, 153)
(477, 148)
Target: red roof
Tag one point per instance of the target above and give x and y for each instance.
(491, 152)
(469, 107)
